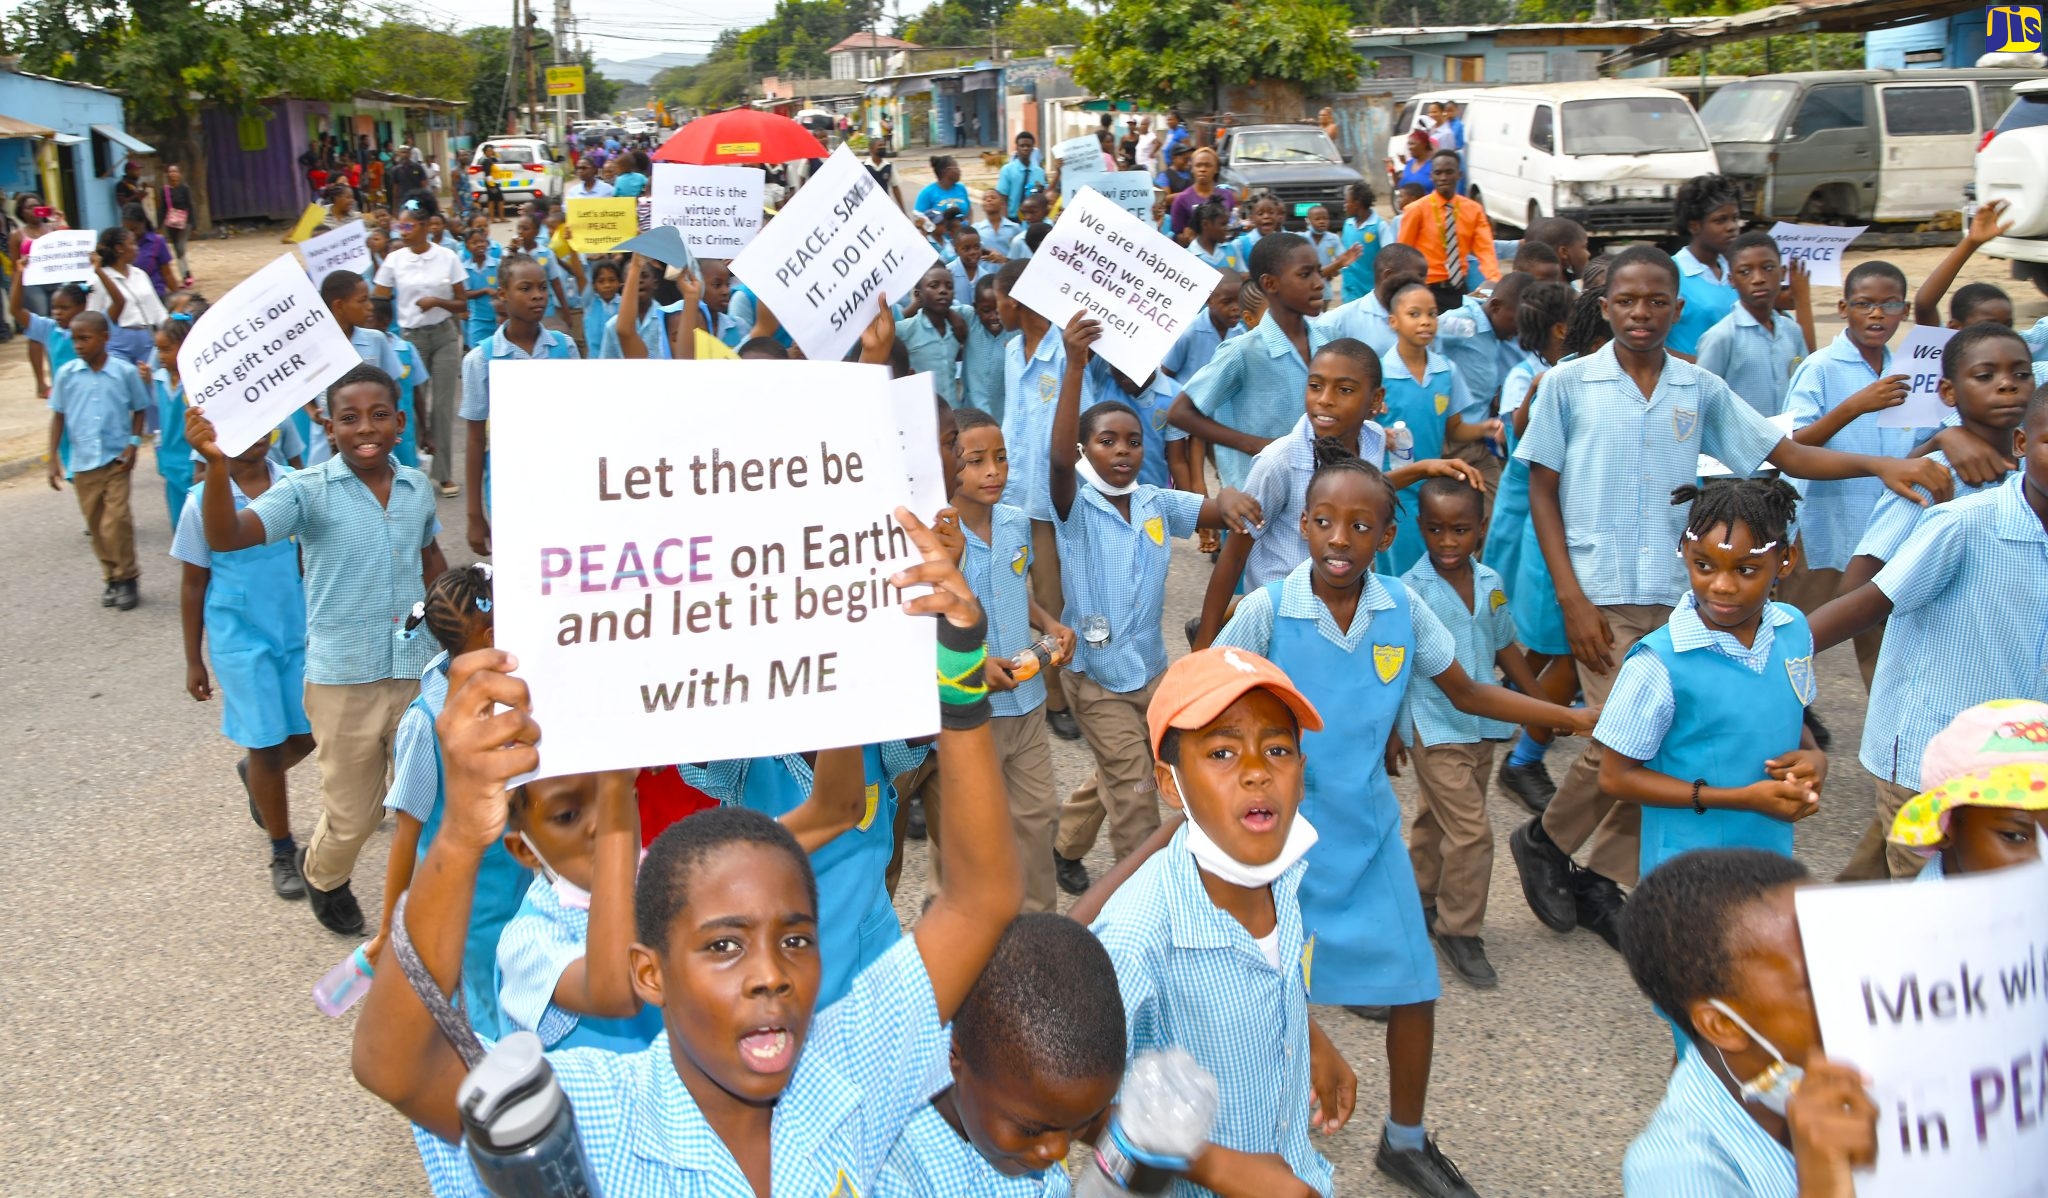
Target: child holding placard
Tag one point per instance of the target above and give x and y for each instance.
(173, 456)
(523, 287)
(348, 301)
(97, 402)
(639, 329)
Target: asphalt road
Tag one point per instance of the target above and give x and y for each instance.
(154, 1003)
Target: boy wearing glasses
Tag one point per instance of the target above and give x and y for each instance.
(1834, 399)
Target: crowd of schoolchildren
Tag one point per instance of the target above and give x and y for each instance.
(1471, 498)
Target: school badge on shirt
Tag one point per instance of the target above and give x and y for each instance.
(1683, 421)
(1443, 403)
(843, 1188)
(1387, 659)
(1021, 560)
(1308, 960)
(1804, 684)
(1497, 600)
(867, 816)
(1048, 387)
(1156, 529)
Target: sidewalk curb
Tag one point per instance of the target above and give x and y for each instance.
(20, 466)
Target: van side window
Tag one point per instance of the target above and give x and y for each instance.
(1993, 99)
(1838, 106)
(1540, 135)
(1928, 111)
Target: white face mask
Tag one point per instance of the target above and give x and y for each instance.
(572, 895)
(1086, 470)
(1773, 1088)
(1211, 858)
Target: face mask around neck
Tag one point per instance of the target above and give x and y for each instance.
(1212, 859)
(1773, 1088)
(1086, 470)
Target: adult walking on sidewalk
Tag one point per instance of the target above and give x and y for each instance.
(174, 216)
(428, 281)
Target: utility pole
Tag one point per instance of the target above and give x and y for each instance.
(561, 57)
(533, 92)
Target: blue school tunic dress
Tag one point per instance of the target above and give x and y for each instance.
(1359, 901)
(1372, 235)
(1427, 407)
(255, 617)
(500, 880)
(173, 452)
(597, 313)
(1503, 547)
(1707, 300)
(481, 318)
(1728, 721)
(412, 371)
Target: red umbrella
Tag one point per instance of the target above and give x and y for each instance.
(740, 136)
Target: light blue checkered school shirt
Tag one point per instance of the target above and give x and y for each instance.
(1031, 393)
(981, 368)
(544, 938)
(1193, 977)
(362, 564)
(1834, 514)
(653, 329)
(1279, 480)
(864, 1072)
(1756, 363)
(1642, 705)
(1619, 455)
(1515, 385)
(1251, 625)
(1896, 516)
(998, 571)
(1195, 346)
(1255, 385)
(98, 407)
(1969, 624)
(1465, 336)
(1700, 1143)
(416, 749)
(1480, 633)
(1364, 318)
(2037, 339)
(932, 1161)
(726, 781)
(1117, 568)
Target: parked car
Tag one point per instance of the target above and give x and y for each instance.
(525, 170)
(1856, 147)
(1415, 106)
(2012, 165)
(1297, 163)
(1607, 153)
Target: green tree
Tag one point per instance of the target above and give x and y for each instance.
(420, 60)
(174, 58)
(1180, 53)
(1032, 26)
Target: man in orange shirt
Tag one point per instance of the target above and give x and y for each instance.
(1447, 227)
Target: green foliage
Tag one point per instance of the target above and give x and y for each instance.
(1433, 12)
(1027, 27)
(1799, 52)
(421, 60)
(1030, 27)
(793, 41)
(1161, 52)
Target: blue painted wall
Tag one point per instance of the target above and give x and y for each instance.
(1960, 39)
(67, 109)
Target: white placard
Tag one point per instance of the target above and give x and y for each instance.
(1128, 190)
(346, 248)
(916, 407)
(63, 256)
(1919, 359)
(1819, 246)
(826, 259)
(684, 581)
(1080, 160)
(718, 208)
(261, 353)
(1120, 270)
(1936, 993)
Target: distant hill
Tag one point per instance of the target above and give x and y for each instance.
(643, 70)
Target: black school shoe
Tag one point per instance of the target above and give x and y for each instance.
(1063, 724)
(1425, 1170)
(1466, 955)
(1597, 905)
(1070, 874)
(336, 909)
(127, 595)
(112, 592)
(285, 879)
(1546, 872)
(1530, 784)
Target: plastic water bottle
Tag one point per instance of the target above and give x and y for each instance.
(344, 985)
(518, 1127)
(1035, 657)
(1169, 1103)
(1401, 443)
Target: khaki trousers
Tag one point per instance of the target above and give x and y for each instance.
(1025, 747)
(1045, 588)
(1808, 589)
(1114, 725)
(353, 728)
(1581, 810)
(1876, 857)
(103, 500)
(1451, 842)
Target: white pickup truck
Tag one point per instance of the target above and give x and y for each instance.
(2012, 165)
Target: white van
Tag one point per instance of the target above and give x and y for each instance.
(1606, 153)
(2012, 165)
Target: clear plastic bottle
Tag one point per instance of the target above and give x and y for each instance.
(1035, 657)
(1168, 1105)
(344, 985)
(1401, 443)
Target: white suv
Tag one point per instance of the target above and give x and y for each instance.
(526, 170)
(2012, 165)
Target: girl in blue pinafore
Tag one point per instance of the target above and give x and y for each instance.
(480, 263)
(1540, 318)
(1425, 393)
(412, 371)
(1705, 725)
(857, 922)
(457, 613)
(173, 452)
(1351, 640)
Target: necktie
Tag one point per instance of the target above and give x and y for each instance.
(1454, 256)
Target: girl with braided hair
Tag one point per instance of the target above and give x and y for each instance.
(1704, 727)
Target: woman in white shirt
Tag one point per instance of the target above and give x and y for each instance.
(126, 296)
(431, 285)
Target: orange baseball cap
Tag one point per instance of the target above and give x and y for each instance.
(1197, 688)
